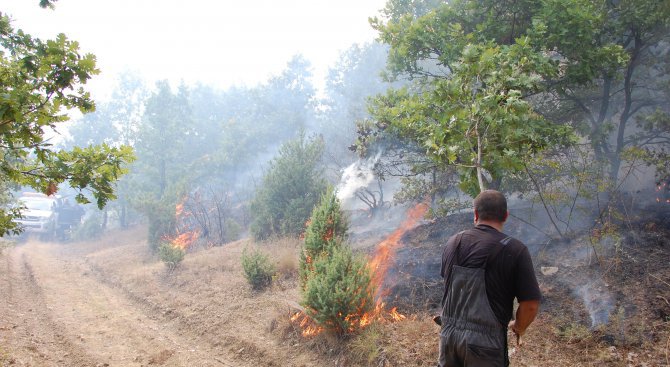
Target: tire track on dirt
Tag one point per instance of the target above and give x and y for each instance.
(92, 323)
(27, 329)
(180, 321)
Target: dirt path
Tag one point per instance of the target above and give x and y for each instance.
(55, 312)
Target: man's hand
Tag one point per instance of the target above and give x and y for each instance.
(525, 315)
(511, 326)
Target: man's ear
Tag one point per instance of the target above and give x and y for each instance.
(506, 216)
(476, 216)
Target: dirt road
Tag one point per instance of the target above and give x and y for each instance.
(57, 311)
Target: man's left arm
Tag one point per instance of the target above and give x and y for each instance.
(528, 295)
(525, 315)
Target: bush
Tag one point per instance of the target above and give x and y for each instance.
(290, 189)
(336, 284)
(339, 291)
(161, 223)
(160, 215)
(257, 268)
(171, 255)
(90, 228)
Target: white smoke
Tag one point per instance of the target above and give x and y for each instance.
(357, 175)
(598, 301)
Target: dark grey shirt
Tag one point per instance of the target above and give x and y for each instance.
(510, 275)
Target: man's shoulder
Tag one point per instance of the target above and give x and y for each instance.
(514, 246)
(510, 240)
(451, 241)
(511, 243)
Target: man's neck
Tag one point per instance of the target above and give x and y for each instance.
(495, 224)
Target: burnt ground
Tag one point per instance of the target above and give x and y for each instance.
(415, 283)
(606, 291)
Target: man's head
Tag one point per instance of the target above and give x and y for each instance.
(490, 206)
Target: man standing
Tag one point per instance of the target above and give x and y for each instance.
(483, 271)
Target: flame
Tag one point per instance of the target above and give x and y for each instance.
(395, 315)
(184, 238)
(306, 324)
(385, 251)
(659, 192)
(384, 256)
(379, 264)
(179, 209)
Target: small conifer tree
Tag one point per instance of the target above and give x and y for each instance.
(171, 255)
(336, 284)
(339, 292)
(327, 229)
(290, 189)
(258, 269)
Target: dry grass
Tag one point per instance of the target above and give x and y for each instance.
(208, 295)
(287, 264)
(284, 252)
(412, 342)
(366, 349)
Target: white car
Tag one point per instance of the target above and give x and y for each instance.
(40, 214)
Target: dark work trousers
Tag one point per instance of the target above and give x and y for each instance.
(471, 335)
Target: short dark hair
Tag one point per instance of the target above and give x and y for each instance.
(491, 205)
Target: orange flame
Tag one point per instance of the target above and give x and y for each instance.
(184, 238)
(382, 260)
(385, 251)
(308, 327)
(659, 191)
(395, 315)
(179, 209)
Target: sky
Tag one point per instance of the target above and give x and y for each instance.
(220, 43)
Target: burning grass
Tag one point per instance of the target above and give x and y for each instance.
(354, 321)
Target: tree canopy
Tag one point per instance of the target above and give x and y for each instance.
(40, 81)
(495, 83)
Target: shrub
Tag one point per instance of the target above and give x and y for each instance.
(339, 291)
(171, 255)
(257, 268)
(160, 215)
(161, 223)
(290, 189)
(90, 228)
(336, 284)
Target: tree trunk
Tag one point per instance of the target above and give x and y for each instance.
(162, 183)
(123, 217)
(105, 218)
(480, 171)
(625, 114)
(433, 194)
